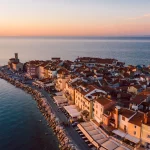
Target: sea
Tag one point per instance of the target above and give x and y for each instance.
(131, 50)
(20, 125)
(20, 128)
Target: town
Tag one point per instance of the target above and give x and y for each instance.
(105, 102)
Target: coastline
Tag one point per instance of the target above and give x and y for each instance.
(46, 110)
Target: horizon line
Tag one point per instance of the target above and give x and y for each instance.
(82, 36)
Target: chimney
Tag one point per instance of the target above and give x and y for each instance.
(16, 56)
(145, 118)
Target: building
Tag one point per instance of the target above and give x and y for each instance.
(85, 96)
(15, 64)
(135, 125)
(100, 105)
(32, 68)
(62, 77)
(124, 116)
(145, 133)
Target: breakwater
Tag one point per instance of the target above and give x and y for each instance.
(45, 109)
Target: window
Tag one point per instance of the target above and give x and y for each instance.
(134, 126)
(123, 118)
(134, 132)
(125, 128)
(148, 136)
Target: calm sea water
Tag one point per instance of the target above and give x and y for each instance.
(20, 128)
(129, 50)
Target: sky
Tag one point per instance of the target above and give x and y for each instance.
(74, 17)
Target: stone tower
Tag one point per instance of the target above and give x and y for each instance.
(16, 56)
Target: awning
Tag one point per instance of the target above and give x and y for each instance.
(85, 132)
(98, 136)
(119, 132)
(77, 114)
(89, 128)
(60, 99)
(122, 148)
(72, 110)
(110, 145)
(93, 132)
(86, 124)
(101, 141)
(132, 138)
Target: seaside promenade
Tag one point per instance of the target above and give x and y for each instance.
(71, 133)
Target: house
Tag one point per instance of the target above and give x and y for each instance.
(85, 96)
(17, 66)
(124, 116)
(145, 133)
(100, 105)
(41, 70)
(137, 100)
(135, 125)
(32, 68)
(52, 72)
(135, 89)
(91, 61)
(62, 77)
(71, 84)
(111, 116)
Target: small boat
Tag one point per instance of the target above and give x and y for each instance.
(40, 120)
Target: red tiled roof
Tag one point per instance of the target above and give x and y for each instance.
(137, 119)
(104, 101)
(95, 60)
(138, 99)
(126, 112)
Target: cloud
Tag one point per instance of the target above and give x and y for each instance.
(139, 17)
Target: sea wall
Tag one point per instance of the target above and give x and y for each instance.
(46, 110)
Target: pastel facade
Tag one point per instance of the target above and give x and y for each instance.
(100, 105)
(84, 98)
(52, 73)
(124, 117)
(145, 131)
(32, 70)
(61, 83)
(17, 66)
(41, 72)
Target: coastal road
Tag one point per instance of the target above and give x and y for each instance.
(72, 133)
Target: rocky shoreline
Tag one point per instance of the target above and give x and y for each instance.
(46, 110)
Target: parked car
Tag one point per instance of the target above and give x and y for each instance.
(74, 124)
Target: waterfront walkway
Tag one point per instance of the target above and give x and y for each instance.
(73, 135)
(71, 132)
